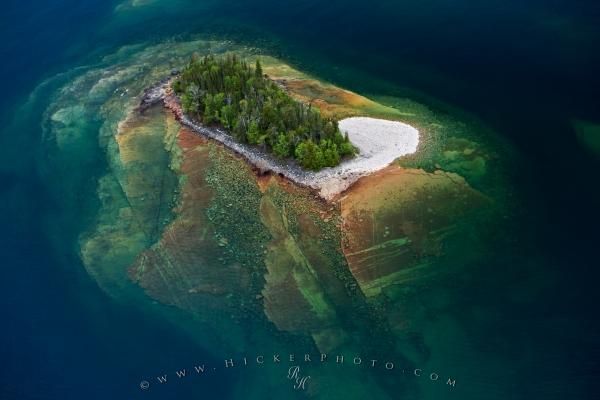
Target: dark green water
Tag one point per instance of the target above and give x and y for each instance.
(525, 69)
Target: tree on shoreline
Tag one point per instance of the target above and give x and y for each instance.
(227, 91)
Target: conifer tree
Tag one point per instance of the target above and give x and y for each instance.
(257, 111)
(258, 69)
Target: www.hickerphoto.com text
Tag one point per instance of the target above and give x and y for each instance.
(294, 362)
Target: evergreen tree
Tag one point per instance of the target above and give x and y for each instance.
(258, 72)
(253, 134)
(282, 147)
(228, 91)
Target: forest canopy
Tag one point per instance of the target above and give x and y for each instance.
(255, 110)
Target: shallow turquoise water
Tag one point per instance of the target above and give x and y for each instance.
(526, 70)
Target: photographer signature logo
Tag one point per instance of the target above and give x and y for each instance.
(295, 376)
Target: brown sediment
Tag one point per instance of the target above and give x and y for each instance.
(396, 218)
(264, 182)
(183, 268)
(331, 100)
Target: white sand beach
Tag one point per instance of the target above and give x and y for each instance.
(379, 141)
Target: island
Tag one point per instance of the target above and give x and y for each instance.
(226, 99)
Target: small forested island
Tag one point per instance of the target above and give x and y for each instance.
(255, 110)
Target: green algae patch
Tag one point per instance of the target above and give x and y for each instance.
(292, 284)
(588, 134)
(136, 198)
(116, 240)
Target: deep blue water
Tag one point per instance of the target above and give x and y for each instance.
(526, 68)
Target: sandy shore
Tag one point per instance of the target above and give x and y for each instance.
(379, 141)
